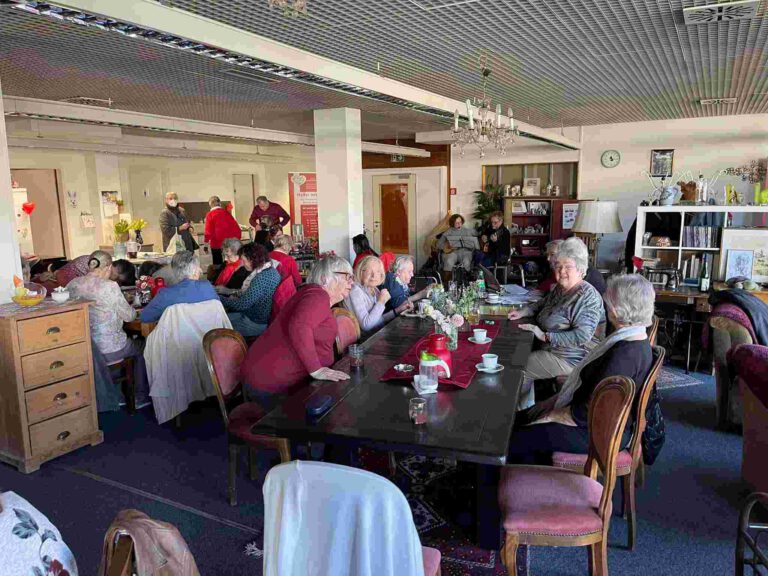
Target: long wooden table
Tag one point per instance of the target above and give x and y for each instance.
(469, 425)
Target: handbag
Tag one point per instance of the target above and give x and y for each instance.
(654, 434)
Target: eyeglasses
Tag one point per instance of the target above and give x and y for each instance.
(346, 275)
(565, 268)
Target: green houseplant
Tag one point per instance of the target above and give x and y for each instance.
(487, 201)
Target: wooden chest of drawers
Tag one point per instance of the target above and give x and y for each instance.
(47, 396)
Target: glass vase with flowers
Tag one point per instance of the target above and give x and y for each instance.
(447, 322)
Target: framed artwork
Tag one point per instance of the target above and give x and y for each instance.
(538, 208)
(519, 207)
(661, 163)
(739, 263)
(569, 215)
(531, 186)
(753, 240)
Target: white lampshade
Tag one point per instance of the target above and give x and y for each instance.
(597, 217)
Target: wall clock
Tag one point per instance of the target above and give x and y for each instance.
(610, 158)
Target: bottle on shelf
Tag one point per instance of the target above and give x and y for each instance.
(704, 277)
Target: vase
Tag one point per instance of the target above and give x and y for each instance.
(121, 237)
(139, 239)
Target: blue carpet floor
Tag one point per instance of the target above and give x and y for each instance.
(687, 510)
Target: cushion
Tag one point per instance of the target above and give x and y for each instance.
(751, 364)
(242, 419)
(431, 558)
(576, 462)
(549, 501)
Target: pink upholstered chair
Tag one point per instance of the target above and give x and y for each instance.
(547, 506)
(348, 330)
(224, 352)
(630, 461)
(751, 364)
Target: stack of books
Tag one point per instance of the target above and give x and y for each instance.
(700, 236)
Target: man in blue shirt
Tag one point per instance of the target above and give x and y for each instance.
(189, 289)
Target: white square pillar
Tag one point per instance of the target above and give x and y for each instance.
(339, 168)
(9, 245)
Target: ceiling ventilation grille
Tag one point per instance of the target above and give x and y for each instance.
(251, 75)
(86, 101)
(715, 101)
(722, 12)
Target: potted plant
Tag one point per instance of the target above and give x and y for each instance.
(488, 200)
(121, 230)
(137, 226)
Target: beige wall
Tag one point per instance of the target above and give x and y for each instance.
(704, 145)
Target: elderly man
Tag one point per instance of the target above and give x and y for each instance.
(271, 211)
(173, 220)
(189, 289)
(219, 226)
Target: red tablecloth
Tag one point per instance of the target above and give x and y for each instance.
(464, 358)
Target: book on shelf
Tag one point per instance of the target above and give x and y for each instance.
(701, 236)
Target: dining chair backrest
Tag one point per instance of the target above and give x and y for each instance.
(284, 292)
(653, 330)
(347, 329)
(644, 395)
(224, 352)
(608, 413)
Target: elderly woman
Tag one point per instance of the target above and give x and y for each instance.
(559, 424)
(592, 276)
(397, 283)
(123, 272)
(106, 316)
(233, 273)
(458, 244)
(299, 342)
(189, 289)
(366, 300)
(566, 319)
(281, 254)
(249, 313)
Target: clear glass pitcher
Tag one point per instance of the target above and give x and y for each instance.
(432, 370)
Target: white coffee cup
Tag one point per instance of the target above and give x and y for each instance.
(493, 297)
(480, 334)
(490, 361)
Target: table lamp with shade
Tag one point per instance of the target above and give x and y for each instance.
(594, 219)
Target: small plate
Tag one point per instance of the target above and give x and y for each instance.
(498, 369)
(410, 314)
(403, 368)
(486, 341)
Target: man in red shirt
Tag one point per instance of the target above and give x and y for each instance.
(219, 225)
(275, 212)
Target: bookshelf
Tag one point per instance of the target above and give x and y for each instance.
(679, 253)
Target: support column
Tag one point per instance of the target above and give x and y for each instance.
(339, 168)
(9, 245)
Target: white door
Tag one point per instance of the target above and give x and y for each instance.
(394, 214)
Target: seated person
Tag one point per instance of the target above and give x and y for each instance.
(566, 320)
(249, 312)
(282, 254)
(362, 248)
(495, 241)
(124, 273)
(397, 283)
(458, 244)
(158, 270)
(559, 424)
(262, 237)
(233, 273)
(366, 300)
(106, 316)
(189, 289)
(592, 276)
(22, 546)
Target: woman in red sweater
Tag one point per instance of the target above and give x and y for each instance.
(281, 254)
(219, 225)
(299, 342)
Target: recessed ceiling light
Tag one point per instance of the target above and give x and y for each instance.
(721, 12)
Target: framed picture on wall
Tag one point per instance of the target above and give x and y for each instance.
(531, 186)
(740, 240)
(739, 263)
(519, 207)
(661, 163)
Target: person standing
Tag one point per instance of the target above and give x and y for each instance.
(266, 208)
(173, 220)
(219, 225)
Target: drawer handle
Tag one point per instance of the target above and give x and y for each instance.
(53, 330)
(63, 435)
(60, 397)
(55, 365)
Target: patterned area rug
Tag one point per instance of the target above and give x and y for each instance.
(672, 377)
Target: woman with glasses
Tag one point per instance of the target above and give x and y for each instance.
(566, 320)
(299, 342)
(592, 276)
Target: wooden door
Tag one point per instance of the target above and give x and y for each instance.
(394, 213)
(46, 220)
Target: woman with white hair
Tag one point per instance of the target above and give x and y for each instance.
(397, 281)
(366, 300)
(559, 424)
(299, 342)
(566, 319)
(233, 273)
(592, 276)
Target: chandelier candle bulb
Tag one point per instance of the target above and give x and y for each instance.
(471, 120)
(456, 121)
(511, 120)
(498, 115)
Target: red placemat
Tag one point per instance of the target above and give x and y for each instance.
(464, 358)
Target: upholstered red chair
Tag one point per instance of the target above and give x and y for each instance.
(630, 460)
(224, 352)
(348, 330)
(285, 291)
(547, 506)
(750, 362)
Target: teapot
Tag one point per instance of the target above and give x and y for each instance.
(436, 345)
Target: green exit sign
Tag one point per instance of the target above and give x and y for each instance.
(398, 158)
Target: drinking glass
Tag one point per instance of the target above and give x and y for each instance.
(355, 352)
(417, 410)
(474, 315)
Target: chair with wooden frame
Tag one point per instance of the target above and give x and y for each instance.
(126, 380)
(548, 506)
(348, 330)
(225, 350)
(653, 330)
(629, 464)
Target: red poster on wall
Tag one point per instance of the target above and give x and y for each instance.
(302, 189)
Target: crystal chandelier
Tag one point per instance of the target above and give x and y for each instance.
(487, 128)
(290, 7)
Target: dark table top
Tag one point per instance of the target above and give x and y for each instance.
(472, 424)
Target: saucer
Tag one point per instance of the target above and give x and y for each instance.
(493, 302)
(411, 315)
(496, 370)
(486, 341)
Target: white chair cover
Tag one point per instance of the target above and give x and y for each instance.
(329, 520)
(176, 367)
